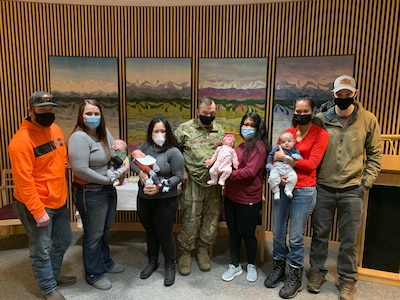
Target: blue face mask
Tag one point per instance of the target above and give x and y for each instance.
(91, 122)
(248, 133)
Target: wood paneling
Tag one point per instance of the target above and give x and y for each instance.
(31, 32)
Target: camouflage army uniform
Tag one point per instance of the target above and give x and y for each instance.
(200, 203)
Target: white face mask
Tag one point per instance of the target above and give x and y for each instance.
(159, 139)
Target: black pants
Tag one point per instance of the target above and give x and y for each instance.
(242, 221)
(157, 217)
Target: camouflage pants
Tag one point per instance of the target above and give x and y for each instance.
(200, 208)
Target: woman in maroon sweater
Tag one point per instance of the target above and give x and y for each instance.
(243, 195)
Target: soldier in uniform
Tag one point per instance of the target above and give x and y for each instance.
(200, 203)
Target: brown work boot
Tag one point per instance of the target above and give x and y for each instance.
(184, 263)
(347, 289)
(203, 258)
(316, 279)
(66, 280)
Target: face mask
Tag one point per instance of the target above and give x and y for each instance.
(159, 139)
(302, 119)
(344, 104)
(91, 122)
(248, 133)
(45, 119)
(206, 120)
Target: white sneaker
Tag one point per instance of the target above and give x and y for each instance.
(277, 195)
(251, 273)
(232, 272)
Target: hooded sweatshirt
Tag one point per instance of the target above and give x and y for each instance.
(38, 161)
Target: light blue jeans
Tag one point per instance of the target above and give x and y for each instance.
(47, 244)
(293, 212)
(97, 206)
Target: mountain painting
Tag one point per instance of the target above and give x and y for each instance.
(156, 87)
(237, 86)
(300, 76)
(73, 79)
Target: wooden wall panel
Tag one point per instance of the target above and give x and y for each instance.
(31, 32)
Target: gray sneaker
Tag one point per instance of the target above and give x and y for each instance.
(103, 284)
(251, 273)
(118, 268)
(232, 272)
(316, 279)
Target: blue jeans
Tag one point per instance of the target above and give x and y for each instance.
(97, 206)
(348, 203)
(47, 244)
(295, 210)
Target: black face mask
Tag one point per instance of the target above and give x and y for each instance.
(302, 119)
(344, 104)
(206, 120)
(45, 119)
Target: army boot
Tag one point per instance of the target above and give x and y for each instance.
(184, 263)
(203, 258)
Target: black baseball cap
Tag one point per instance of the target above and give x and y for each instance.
(42, 98)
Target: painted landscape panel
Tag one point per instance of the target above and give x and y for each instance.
(73, 79)
(156, 87)
(300, 76)
(237, 85)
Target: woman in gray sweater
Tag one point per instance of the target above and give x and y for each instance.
(92, 191)
(157, 205)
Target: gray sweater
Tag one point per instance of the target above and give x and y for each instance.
(171, 165)
(87, 157)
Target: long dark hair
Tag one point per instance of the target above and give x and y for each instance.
(261, 132)
(170, 140)
(101, 131)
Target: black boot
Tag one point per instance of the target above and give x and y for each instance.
(293, 283)
(277, 275)
(170, 271)
(151, 266)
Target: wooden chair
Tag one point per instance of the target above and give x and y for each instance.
(7, 216)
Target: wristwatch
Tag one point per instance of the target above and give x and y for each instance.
(286, 159)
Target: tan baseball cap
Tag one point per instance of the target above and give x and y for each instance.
(344, 82)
